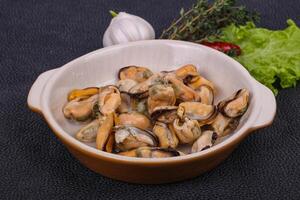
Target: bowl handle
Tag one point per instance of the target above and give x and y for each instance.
(34, 96)
(267, 104)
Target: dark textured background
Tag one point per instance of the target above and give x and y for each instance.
(36, 36)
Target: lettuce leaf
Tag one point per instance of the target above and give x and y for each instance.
(268, 55)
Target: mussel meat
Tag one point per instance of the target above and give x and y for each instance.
(83, 93)
(126, 84)
(166, 135)
(134, 119)
(197, 81)
(80, 109)
(130, 137)
(88, 133)
(109, 100)
(110, 145)
(206, 94)
(236, 105)
(205, 141)
(187, 131)
(185, 71)
(160, 95)
(182, 92)
(197, 111)
(139, 74)
(151, 152)
(165, 114)
(127, 103)
(141, 90)
(223, 125)
(104, 131)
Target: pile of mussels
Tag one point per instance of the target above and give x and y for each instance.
(150, 114)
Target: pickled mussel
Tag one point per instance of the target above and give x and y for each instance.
(80, 109)
(110, 145)
(196, 81)
(236, 105)
(104, 131)
(83, 93)
(230, 112)
(130, 137)
(88, 133)
(160, 95)
(187, 130)
(135, 119)
(205, 141)
(141, 90)
(139, 74)
(166, 135)
(206, 94)
(151, 115)
(127, 103)
(186, 71)
(148, 152)
(182, 91)
(126, 84)
(109, 100)
(197, 111)
(141, 106)
(165, 114)
(223, 125)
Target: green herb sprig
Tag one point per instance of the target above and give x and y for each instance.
(204, 20)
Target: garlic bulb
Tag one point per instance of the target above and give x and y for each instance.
(125, 28)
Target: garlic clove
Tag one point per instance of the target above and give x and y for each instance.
(127, 28)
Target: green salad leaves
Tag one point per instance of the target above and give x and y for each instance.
(268, 55)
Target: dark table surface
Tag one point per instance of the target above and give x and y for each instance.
(36, 36)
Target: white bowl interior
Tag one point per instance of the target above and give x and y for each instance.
(101, 67)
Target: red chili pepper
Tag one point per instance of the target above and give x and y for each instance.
(225, 47)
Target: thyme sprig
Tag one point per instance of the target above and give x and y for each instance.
(204, 20)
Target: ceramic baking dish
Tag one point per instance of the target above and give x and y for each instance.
(48, 95)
